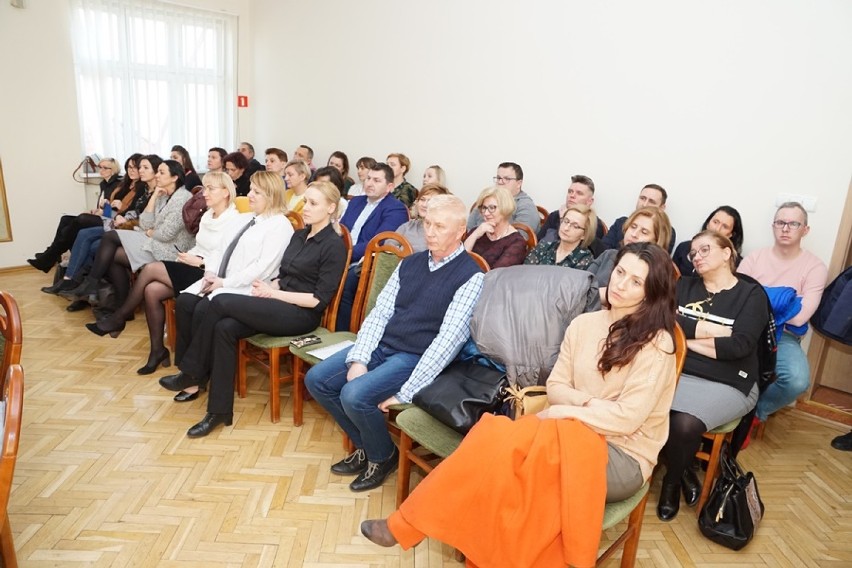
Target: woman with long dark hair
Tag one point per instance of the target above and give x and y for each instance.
(545, 478)
(191, 179)
(726, 221)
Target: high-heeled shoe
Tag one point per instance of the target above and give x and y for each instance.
(208, 423)
(669, 503)
(184, 396)
(691, 487)
(154, 362)
(104, 327)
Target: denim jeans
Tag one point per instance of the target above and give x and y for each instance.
(355, 404)
(84, 249)
(794, 377)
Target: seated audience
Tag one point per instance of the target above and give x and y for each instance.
(332, 175)
(580, 192)
(609, 395)
(726, 221)
(308, 278)
(495, 239)
(723, 318)
(276, 161)
(247, 150)
(786, 264)
(435, 175)
(413, 230)
(297, 174)
(131, 191)
(576, 233)
(216, 159)
(652, 195)
(158, 281)
(368, 215)
(645, 225)
(191, 179)
(163, 232)
(363, 167)
(236, 166)
(306, 154)
(69, 225)
(419, 324)
(511, 176)
(404, 191)
(340, 162)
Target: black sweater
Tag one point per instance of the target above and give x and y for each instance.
(744, 309)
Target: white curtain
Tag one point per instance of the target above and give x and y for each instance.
(151, 75)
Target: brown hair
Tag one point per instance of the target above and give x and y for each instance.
(723, 242)
(403, 161)
(662, 225)
(591, 222)
(656, 313)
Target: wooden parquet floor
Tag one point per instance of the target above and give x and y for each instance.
(106, 476)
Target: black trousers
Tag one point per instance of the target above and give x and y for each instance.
(66, 231)
(218, 325)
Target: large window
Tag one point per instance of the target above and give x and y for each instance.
(151, 75)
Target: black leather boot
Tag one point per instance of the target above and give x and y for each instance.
(669, 502)
(691, 487)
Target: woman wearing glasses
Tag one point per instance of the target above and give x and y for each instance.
(577, 228)
(117, 196)
(726, 221)
(413, 230)
(723, 317)
(158, 281)
(495, 239)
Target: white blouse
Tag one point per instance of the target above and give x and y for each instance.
(211, 231)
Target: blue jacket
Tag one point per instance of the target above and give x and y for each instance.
(387, 216)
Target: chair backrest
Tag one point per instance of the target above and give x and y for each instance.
(543, 214)
(384, 252)
(296, 220)
(680, 348)
(604, 227)
(676, 271)
(527, 232)
(330, 317)
(11, 334)
(13, 400)
(242, 204)
(483, 264)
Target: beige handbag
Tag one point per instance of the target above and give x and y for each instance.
(527, 400)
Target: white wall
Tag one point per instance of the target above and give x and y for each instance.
(723, 103)
(39, 130)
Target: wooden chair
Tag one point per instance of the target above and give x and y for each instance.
(384, 252)
(543, 214)
(418, 427)
(297, 221)
(605, 227)
(527, 232)
(267, 350)
(13, 400)
(171, 323)
(11, 334)
(716, 436)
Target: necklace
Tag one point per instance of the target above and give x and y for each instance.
(503, 234)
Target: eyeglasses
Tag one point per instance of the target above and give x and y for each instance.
(487, 208)
(501, 179)
(572, 225)
(212, 187)
(793, 225)
(702, 252)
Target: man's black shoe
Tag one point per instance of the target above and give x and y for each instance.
(376, 473)
(843, 442)
(353, 464)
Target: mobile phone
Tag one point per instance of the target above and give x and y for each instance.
(305, 340)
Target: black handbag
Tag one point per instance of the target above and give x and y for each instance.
(462, 393)
(734, 509)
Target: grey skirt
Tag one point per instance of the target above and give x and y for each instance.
(711, 402)
(132, 243)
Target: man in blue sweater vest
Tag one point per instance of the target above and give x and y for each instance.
(419, 324)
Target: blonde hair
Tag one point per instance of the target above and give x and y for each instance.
(223, 179)
(300, 167)
(660, 221)
(454, 207)
(113, 165)
(403, 161)
(272, 187)
(591, 221)
(505, 202)
(439, 173)
(332, 195)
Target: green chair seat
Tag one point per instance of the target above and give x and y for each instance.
(264, 341)
(427, 431)
(616, 512)
(304, 353)
(725, 428)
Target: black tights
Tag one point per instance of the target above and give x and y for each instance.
(111, 261)
(685, 435)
